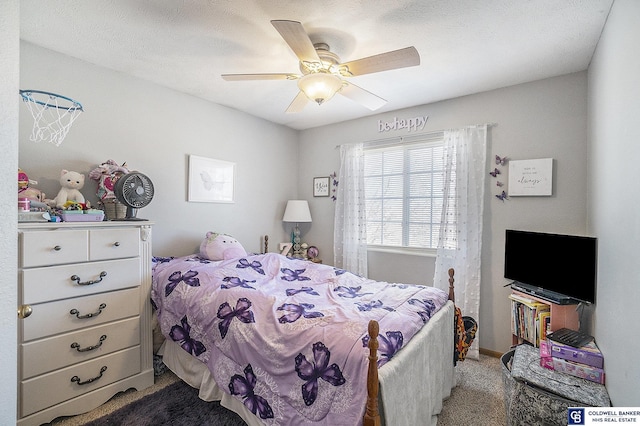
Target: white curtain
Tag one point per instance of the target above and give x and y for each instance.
(350, 232)
(460, 238)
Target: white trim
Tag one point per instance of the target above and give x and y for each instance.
(411, 251)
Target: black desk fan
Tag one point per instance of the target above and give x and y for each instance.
(135, 191)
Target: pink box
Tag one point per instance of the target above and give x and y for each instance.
(579, 370)
(546, 362)
(545, 355)
(588, 354)
(545, 348)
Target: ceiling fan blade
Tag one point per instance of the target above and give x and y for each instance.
(242, 77)
(361, 96)
(298, 103)
(401, 58)
(296, 37)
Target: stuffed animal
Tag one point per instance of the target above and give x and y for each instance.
(71, 183)
(221, 247)
(25, 191)
(106, 174)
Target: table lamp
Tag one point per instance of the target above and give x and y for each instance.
(296, 211)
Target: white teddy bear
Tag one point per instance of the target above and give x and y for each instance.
(71, 183)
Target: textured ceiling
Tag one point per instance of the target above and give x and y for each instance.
(466, 46)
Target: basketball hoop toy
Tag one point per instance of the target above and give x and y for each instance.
(52, 115)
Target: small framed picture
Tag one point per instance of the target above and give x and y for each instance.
(321, 186)
(210, 180)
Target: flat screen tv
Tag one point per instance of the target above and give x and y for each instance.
(556, 267)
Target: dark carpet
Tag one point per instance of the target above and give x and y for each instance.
(177, 405)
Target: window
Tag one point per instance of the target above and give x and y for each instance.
(404, 192)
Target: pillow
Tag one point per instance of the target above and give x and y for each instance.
(217, 246)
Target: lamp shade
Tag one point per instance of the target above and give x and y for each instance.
(297, 211)
(320, 87)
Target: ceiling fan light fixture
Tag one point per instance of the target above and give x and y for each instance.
(320, 87)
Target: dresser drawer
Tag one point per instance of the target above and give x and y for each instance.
(67, 315)
(47, 390)
(40, 248)
(44, 355)
(61, 282)
(113, 243)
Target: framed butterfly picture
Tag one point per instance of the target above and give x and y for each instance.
(210, 180)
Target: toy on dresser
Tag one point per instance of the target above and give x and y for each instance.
(106, 175)
(27, 191)
(31, 201)
(71, 182)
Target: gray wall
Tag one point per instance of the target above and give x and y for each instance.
(541, 119)
(154, 130)
(614, 109)
(9, 99)
(546, 118)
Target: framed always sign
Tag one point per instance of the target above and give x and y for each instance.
(531, 177)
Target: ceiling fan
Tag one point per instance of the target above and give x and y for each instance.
(323, 75)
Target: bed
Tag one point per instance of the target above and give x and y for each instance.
(284, 341)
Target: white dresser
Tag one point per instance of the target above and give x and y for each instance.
(84, 332)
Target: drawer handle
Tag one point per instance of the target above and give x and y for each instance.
(24, 311)
(77, 279)
(86, 382)
(57, 248)
(95, 314)
(76, 345)
(117, 244)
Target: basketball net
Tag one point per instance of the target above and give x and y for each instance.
(52, 115)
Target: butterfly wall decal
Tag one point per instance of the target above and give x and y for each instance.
(501, 161)
(334, 178)
(502, 196)
(495, 172)
(500, 184)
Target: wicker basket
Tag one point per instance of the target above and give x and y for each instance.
(114, 209)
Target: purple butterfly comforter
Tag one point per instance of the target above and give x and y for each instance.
(287, 337)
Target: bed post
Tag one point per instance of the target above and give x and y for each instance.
(452, 293)
(371, 414)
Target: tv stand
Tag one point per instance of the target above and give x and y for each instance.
(561, 316)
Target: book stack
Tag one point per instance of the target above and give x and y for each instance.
(529, 318)
(586, 361)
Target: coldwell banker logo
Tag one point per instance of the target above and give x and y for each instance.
(414, 123)
(575, 416)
